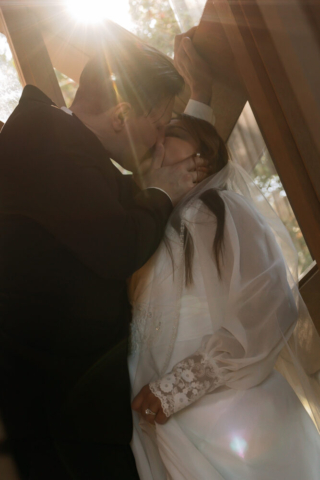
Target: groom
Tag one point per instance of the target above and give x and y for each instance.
(73, 229)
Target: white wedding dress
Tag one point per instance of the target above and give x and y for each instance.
(209, 351)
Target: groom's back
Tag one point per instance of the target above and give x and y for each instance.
(58, 316)
(37, 266)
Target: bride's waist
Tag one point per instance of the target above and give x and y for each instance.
(162, 332)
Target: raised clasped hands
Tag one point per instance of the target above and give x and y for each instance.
(192, 67)
(149, 407)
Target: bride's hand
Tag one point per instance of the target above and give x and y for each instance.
(192, 67)
(146, 402)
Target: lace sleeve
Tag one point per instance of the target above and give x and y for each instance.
(189, 380)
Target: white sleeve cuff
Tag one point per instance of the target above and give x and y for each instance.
(200, 110)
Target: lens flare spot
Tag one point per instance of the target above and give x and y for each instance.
(239, 446)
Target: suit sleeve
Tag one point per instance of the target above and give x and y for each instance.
(66, 192)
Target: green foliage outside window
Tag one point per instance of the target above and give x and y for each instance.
(154, 22)
(266, 178)
(68, 87)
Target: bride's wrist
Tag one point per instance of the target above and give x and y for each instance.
(201, 96)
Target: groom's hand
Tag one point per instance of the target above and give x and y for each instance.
(146, 402)
(176, 180)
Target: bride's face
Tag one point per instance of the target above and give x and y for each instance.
(179, 144)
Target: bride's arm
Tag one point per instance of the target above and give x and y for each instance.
(197, 74)
(260, 312)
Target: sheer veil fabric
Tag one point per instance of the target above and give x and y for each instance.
(246, 323)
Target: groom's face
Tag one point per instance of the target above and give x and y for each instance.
(143, 132)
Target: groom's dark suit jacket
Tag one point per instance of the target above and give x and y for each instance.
(72, 231)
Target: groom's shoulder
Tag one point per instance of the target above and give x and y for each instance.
(34, 106)
(36, 116)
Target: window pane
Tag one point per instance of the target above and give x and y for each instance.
(68, 87)
(155, 22)
(10, 86)
(247, 147)
(188, 12)
(158, 21)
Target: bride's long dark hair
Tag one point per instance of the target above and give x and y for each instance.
(212, 148)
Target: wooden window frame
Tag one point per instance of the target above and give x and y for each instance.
(234, 37)
(250, 46)
(32, 60)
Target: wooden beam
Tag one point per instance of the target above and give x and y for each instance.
(70, 44)
(272, 122)
(29, 50)
(310, 291)
(64, 56)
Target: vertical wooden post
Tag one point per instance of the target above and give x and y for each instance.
(32, 59)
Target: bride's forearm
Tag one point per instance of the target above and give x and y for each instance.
(190, 380)
(202, 96)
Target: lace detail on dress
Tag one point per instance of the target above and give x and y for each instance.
(147, 318)
(190, 379)
(144, 328)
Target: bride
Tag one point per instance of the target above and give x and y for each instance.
(213, 311)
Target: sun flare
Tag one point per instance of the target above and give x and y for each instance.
(95, 11)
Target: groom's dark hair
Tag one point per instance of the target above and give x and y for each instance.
(130, 71)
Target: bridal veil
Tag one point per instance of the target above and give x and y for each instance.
(264, 321)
